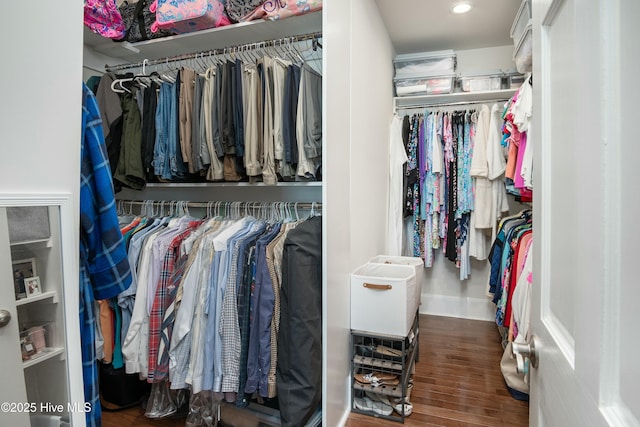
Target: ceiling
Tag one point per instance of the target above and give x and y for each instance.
(428, 25)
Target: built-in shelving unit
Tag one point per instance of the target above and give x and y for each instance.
(44, 355)
(31, 235)
(52, 295)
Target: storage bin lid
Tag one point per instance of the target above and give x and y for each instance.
(419, 76)
(436, 54)
(488, 74)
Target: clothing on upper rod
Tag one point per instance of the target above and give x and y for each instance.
(460, 162)
(448, 186)
(249, 118)
(221, 303)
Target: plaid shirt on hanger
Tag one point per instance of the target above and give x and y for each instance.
(104, 267)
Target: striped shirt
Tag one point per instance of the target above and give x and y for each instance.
(163, 295)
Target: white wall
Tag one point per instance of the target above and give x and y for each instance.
(357, 99)
(41, 98)
(40, 116)
(485, 60)
(371, 99)
(93, 63)
(336, 210)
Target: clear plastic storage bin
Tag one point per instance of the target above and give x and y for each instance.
(36, 338)
(383, 298)
(514, 81)
(481, 82)
(420, 85)
(523, 54)
(425, 64)
(523, 18)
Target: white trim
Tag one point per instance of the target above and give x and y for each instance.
(347, 410)
(610, 92)
(464, 308)
(619, 416)
(552, 12)
(556, 329)
(543, 220)
(612, 406)
(561, 336)
(69, 291)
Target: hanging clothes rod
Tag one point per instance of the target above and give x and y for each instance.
(231, 49)
(86, 67)
(426, 106)
(173, 204)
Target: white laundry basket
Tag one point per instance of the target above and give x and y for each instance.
(383, 299)
(415, 262)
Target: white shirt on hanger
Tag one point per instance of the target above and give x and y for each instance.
(397, 159)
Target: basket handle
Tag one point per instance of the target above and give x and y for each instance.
(377, 287)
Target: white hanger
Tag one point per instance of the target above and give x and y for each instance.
(142, 78)
(119, 82)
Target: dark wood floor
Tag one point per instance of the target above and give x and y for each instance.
(457, 382)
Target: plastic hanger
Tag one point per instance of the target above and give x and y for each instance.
(165, 75)
(142, 78)
(295, 54)
(117, 87)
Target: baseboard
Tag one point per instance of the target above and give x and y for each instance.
(461, 307)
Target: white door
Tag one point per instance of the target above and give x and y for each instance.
(14, 407)
(585, 313)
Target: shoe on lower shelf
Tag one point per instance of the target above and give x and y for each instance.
(378, 397)
(366, 404)
(407, 407)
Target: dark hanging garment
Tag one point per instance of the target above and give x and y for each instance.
(227, 123)
(238, 112)
(150, 102)
(299, 368)
(129, 170)
(457, 120)
(290, 112)
(110, 107)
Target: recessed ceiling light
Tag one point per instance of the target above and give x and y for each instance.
(461, 8)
